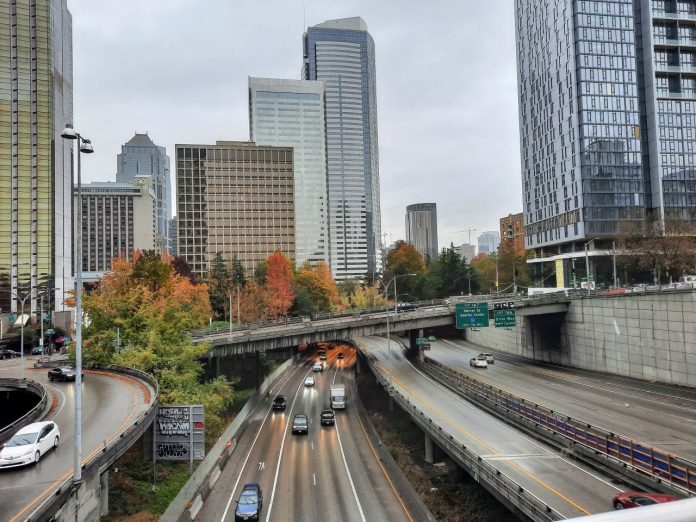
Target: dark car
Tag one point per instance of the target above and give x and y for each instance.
(37, 350)
(8, 354)
(631, 499)
(340, 355)
(66, 373)
(249, 503)
(279, 403)
(406, 307)
(300, 424)
(328, 417)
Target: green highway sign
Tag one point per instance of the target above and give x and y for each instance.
(504, 318)
(421, 341)
(471, 315)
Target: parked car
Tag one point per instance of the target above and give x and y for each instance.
(65, 373)
(478, 362)
(279, 403)
(29, 444)
(328, 418)
(309, 381)
(318, 367)
(490, 359)
(300, 424)
(250, 503)
(9, 354)
(631, 499)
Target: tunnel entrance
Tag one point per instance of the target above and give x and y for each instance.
(14, 403)
(545, 338)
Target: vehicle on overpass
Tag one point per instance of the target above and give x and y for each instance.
(478, 362)
(631, 499)
(249, 503)
(337, 396)
(29, 443)
(65, 373)
(406, 307)
(300, 424)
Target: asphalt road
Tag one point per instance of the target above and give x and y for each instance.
(656, 414)
(566, 485)
(110, 403)
(328, 475)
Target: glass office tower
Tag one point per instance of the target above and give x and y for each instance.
(291, 113)
(35, 163)
(421, 229)
(341, 53)
(141, 157)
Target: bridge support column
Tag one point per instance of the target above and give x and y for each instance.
(217, 366)
(258, 369)
(428, 449)
(104, 493)
(358, 365)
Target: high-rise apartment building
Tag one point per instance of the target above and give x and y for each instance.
(36, 76)
(466, 251)
(341, 53)
(117, 219)
(421, 229)
(607, 94)
(488, 242)
(512, 230)
(290, 113)
(235, 198)
(141, 157)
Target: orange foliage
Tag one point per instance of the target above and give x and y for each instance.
(324, 273)
(279, 291)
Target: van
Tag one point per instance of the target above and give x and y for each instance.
(688, 280)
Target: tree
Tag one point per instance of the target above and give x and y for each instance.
(219, 286)
(279, 291)
(183, 268)
(485, 270)
(254, 303)
(324, 273)
(405, 259)
(311, 294)
(450, 274)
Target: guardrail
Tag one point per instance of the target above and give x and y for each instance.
(481, 470)
(109, 452)
(659, 464)
(32, 414)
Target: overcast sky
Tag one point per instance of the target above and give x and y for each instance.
(446, 90)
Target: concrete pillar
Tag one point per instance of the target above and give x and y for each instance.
(104, 494)
(391, 404)
(358, 365)
(258, 369)
(428, 449)
(217, 366)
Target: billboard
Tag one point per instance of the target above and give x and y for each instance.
(180, 433)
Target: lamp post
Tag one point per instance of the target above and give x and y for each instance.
(587, 263)
(396, 299)
(83, 146)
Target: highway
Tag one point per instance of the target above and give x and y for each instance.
(659, 415)
(569, 487)
(110, 403)
(331, 474)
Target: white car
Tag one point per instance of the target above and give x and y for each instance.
(478, 362)
(318, 367)
(309, 381)
(29, 444)
(490, 359)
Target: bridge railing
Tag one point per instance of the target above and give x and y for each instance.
(659, 464)
(34, 413)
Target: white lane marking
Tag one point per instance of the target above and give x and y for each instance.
(345, 462)
(241, 471)
(282, 445)
(512, 430)
(314, 478)
(312, 445)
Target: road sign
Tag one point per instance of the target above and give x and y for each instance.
(469, 315)
(504, 318)
(180, 433)
(421, 341)
(504, 305)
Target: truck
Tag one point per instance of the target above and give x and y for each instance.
(337, 396)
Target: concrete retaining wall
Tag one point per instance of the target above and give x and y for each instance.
(649, 337)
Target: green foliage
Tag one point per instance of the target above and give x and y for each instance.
(219, 286)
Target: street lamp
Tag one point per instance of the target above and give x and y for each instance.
(587, 262)
(396, 302)
(83, 146)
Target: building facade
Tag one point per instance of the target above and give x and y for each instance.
(36, 75)
(488, 242)
(467, 251)
(290, 113)
(421, 229)
(607, 101)
(235, 198)
(117, 219)
(341, 53)
(512, 230)
(141, 157)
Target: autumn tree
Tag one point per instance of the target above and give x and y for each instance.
(254, 303)
(279, 291)
(183, 268)
(405, 259)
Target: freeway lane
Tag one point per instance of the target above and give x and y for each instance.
(110, 403)
(328, 475)
(656, 414)
(567, 486)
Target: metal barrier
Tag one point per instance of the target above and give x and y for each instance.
(31, 415)
(659, 464)
(481, 470)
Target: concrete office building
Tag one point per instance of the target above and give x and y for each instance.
(235, 198)
(512, 230)
(421, 229)
(341, 53)
(141, 157)
(488, 242)
(467, 251)
(36, 75)
(607, 94)
(117, 219)
(290, 113)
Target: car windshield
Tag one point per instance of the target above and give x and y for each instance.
(280, 399)
(22, 439)
(300, 420)
(327, 414)
(248, 497)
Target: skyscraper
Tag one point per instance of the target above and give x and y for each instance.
(291, 113)
(488, 242)
(341, 53)
(141, 157)
(35, 163)
(421, 229)
(607, 95)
